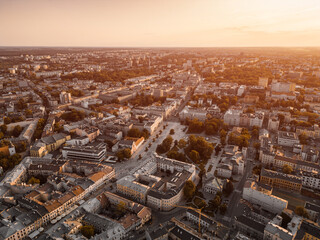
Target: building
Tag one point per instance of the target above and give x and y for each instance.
(214, 185)
(193, 113)
(205, 221)
(48, 144)
(281, 180)
(283, 87)
(250, 227)
(232, 117)
(92, 152)
(224, 170)
(313, 211)
(287, 139)
(132, 143)
(273, 124)
(261, 194)
(308, 230)
(158, 183)
(311, 132)
(65, 97)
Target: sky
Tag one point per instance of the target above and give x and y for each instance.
(160, 23)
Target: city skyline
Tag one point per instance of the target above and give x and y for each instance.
(159, 24)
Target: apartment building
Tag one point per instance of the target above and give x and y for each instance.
(261, 194)
(281, 180)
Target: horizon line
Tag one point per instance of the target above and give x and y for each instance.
(271, 46)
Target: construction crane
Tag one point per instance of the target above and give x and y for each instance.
(198, 210)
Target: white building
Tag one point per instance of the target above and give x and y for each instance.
(273, 124)
(232, 117)
(262, 195)
(287, 139)
(283, 87)
(193, 113)
(65, 97)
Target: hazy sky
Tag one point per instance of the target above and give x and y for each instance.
(160, 23)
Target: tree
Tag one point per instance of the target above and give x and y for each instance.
(7, 120)
(189, 190)
(165, 145)
(223, 208)
(255, 133)
(182, 143)
(127, 153)
(218, 149)
(229, 188)
(215, 203)
(124, 153)
(172, 131)
(87, 231)
(134, 132)
(121, 207)
(28, 112)
(303, 138)
(301, 211)
(194, 155)
(3, 128)
(16, 131)
(287, 169)
(256, 145)
(33, 180)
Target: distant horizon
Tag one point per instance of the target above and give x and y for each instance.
(43, 46)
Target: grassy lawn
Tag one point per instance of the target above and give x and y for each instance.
(293, 201)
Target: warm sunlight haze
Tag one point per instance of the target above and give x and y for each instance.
(165, 23)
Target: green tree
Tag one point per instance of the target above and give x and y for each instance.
(33, 180)
(189, 190)
(87, 231)
(303, 138)
(121, 207)
(223, 208)
(127, 153)
(182, 143)
(194, 155)
(172, 131)
(287, 169)
(256, 145)
(28, 112)
(134, 132)
(215, 203)
(16, 131)
(4, 128)
(229, 188)
(7, 120)
(301, 211)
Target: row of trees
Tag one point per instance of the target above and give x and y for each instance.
(165, 145)
(39, 129)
